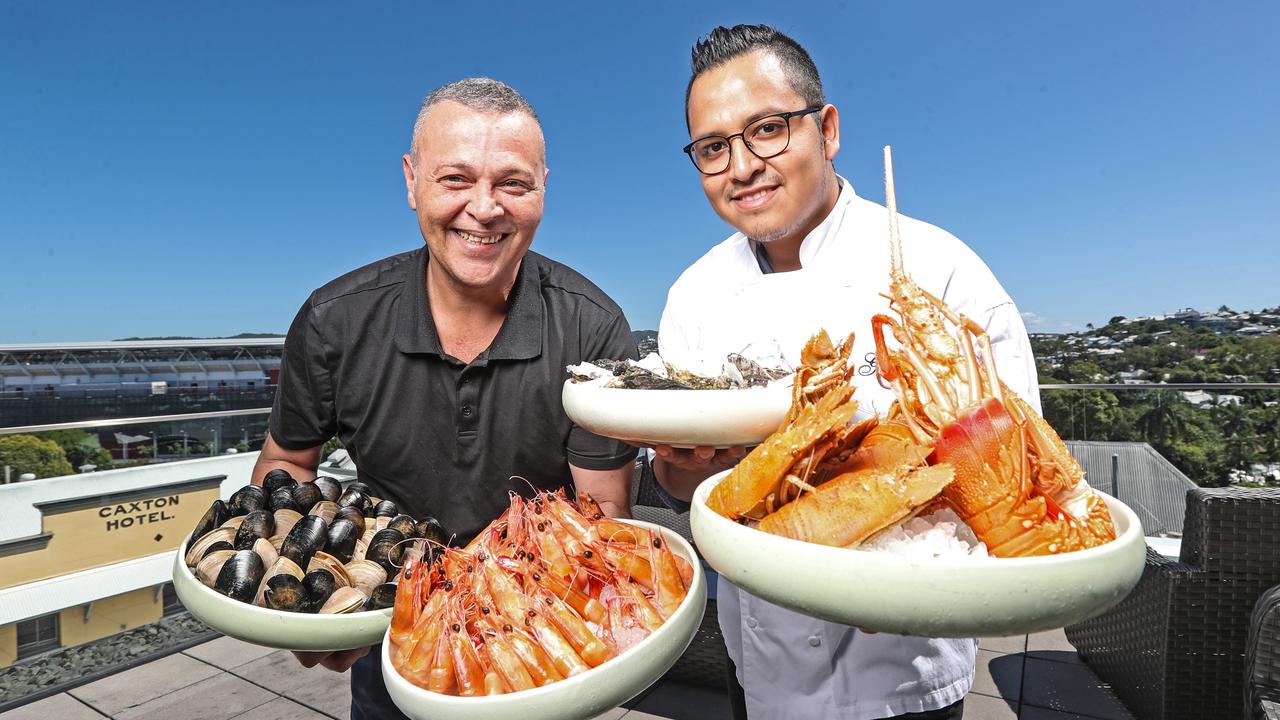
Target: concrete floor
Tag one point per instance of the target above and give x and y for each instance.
(1032, 677)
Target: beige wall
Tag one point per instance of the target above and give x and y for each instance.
(109, 616)
(108, 533)
(8, 645)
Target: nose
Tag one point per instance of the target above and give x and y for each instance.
(743, 164)
(484, 205)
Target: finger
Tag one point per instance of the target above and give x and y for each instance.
(309, 659)
(702, 453)
(738, 451)
(342, 661)
(662, 451)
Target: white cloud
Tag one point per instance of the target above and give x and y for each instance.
(1037, 323)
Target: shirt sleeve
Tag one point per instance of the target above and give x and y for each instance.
(303, 414)
(586, 449)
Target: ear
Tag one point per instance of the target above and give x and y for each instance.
(830, 131)
(545, 174)
(409, 182)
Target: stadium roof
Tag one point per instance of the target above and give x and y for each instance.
(143, 344)
(1147, 482)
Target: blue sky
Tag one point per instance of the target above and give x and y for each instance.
(198, 169)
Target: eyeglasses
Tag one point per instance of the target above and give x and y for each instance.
(765, 137)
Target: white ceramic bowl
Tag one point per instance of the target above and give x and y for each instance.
(275, 628)
(953, 597)
(682, 418)
(584, 695)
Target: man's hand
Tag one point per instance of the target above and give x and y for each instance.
(340, 661)
(680, 470)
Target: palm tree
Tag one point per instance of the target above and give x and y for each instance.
(1165, 422)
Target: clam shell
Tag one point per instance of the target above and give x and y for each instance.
(197, 551)
(266, 551)
(208, 568)
(362, 547)
(381, 522)
(277, 541)
(343, 600)
(282, 566)
(324, 561)
(325, 509)
(285, 520)
(233, 522)
(366, 575)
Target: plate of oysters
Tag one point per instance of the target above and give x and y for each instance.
(555, 611)
(961, 516)
(300, 565)
(738, 401)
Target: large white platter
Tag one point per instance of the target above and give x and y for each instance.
(275, 628)
(960, 597)
(681, 418)
(584, 695)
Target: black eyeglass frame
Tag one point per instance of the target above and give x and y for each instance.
(786, 118)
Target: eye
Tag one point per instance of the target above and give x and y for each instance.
(768, 128)
(452, 180)
(711, 148)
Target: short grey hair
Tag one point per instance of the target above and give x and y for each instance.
(478, 93)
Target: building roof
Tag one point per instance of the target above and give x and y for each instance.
(1146, 482)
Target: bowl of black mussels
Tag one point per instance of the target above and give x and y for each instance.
(308, 566)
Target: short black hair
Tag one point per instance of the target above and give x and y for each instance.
(724, 44)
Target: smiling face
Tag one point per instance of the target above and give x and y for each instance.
(477, 186)
(778, 200)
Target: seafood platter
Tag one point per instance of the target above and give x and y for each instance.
(651, 402)
(298, 566)
(553, 611)
(824, 516)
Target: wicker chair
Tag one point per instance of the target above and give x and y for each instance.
(1175, 647)
(1262, 659)
(706, 661)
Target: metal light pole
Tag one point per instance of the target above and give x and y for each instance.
(184, 442)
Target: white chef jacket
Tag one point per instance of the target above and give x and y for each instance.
(791, 665)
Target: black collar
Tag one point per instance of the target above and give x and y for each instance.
(519, 338)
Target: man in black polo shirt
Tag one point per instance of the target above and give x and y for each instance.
(441, 369)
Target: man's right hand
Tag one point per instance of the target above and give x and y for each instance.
(340, 661)
(681, 470)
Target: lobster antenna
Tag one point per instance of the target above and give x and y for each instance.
(891, 204)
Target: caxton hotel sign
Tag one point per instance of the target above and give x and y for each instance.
(87, 532)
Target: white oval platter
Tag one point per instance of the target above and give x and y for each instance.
(944, 597)
(275, 628)
(681, 418)
(585, 695)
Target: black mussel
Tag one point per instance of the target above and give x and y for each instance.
(285, 592)
(342, 537)
(212, 518)
(331, 489)
(240, 576)
(320, 584)
(386, 508)
(405, 525)
(220, 545)
(431, 529)
(257, 524)
(350, 513)
(305, 495)
(282, 499)
(277, 479)
(354, 497)
(247, 499)
(384, 596)
(361, 487)
(306, 537)
(385, 549)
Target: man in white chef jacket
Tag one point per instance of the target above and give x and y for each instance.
(809, 254)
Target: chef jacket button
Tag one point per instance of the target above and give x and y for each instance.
(466, 411)
(751, 622)
(814, 641)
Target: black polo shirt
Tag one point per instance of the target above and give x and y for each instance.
(439, 436)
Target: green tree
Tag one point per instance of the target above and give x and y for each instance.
(82, 448)
(30, 454)
(1165, 421)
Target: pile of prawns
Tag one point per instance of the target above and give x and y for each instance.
(550, 589)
